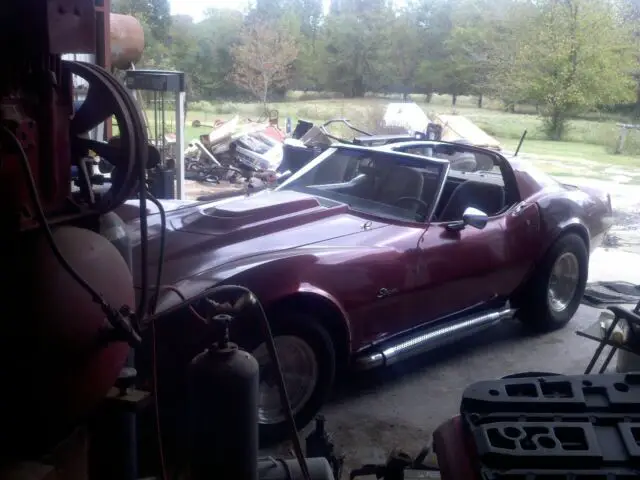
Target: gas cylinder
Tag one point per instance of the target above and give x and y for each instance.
(223, 412)
(53, 352)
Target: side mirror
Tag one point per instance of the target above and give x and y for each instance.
(475, 218)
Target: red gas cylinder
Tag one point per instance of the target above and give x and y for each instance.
(57, 362)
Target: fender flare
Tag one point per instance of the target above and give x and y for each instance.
(336, 317)
(573, 225)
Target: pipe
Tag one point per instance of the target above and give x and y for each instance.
(127, 41)
(422, 341)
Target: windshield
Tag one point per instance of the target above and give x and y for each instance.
(387, 184)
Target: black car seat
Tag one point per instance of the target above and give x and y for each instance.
(400, 182)
(483, 196)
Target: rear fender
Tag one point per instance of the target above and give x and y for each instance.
(572, 225)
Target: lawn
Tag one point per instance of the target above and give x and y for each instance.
(587, 149)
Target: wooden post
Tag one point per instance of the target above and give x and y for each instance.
(621, 139)
(624, 131)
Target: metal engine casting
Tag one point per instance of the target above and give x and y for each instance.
(583, 427)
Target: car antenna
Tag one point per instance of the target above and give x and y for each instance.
(524, 134)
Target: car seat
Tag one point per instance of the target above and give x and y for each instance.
(483, 196)
(398, 183)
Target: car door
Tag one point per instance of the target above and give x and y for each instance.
(381, 285)
(466, 268)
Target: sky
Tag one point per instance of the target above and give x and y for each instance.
(195, 8)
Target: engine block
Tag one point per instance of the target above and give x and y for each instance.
(583, 427)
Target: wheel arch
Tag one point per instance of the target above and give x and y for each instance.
(573, 227)
(332, 317)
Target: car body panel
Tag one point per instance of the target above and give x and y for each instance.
(383, 276)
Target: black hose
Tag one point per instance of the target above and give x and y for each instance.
(44, 223)
(163, 241)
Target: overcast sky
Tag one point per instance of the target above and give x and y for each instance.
(195, 8)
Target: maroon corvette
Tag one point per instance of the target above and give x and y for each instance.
(367, 256)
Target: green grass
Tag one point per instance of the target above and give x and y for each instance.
(587, 149)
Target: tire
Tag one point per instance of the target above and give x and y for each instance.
(538, 308)
(296, 334)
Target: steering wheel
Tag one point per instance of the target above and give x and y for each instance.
(414, 200)
(420, 216)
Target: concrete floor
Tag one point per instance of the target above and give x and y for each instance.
(399, 407)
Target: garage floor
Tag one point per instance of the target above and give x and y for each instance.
(402, 405)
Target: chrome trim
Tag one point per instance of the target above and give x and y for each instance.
(421, 341)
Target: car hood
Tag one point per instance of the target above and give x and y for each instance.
(205, 236)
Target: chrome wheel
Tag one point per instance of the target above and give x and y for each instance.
(300, 370)
(563, 283)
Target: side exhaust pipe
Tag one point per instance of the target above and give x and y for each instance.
(427, 339)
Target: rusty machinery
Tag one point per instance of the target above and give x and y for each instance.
(70, 311)
(62, 278)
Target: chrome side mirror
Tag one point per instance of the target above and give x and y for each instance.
(475, 218)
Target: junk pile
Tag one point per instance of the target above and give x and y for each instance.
(254, 155)
(234, 151)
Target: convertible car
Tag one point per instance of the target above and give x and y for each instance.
(369, 255)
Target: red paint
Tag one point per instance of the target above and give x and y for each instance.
(282, 243)
(455, 451)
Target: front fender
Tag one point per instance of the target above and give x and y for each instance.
(270, 279)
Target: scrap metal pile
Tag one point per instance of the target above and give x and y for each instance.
(258, 155)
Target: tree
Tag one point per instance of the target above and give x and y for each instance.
(434, 20)
(263, 59)
(472, 44)
(407, 49)
(214, 36)
(574, 57)
(630, 15)
(357, 48)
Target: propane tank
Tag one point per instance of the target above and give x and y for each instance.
(223, 411)
(67, 369)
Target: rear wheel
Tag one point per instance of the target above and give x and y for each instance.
(553, 295)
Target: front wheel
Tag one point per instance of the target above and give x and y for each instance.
(553, 294)
(307, 358)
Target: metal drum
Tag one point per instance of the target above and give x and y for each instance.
(127, 41)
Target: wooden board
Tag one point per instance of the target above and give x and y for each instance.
(457, 127)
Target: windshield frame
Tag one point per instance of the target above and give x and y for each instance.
(442, 165)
